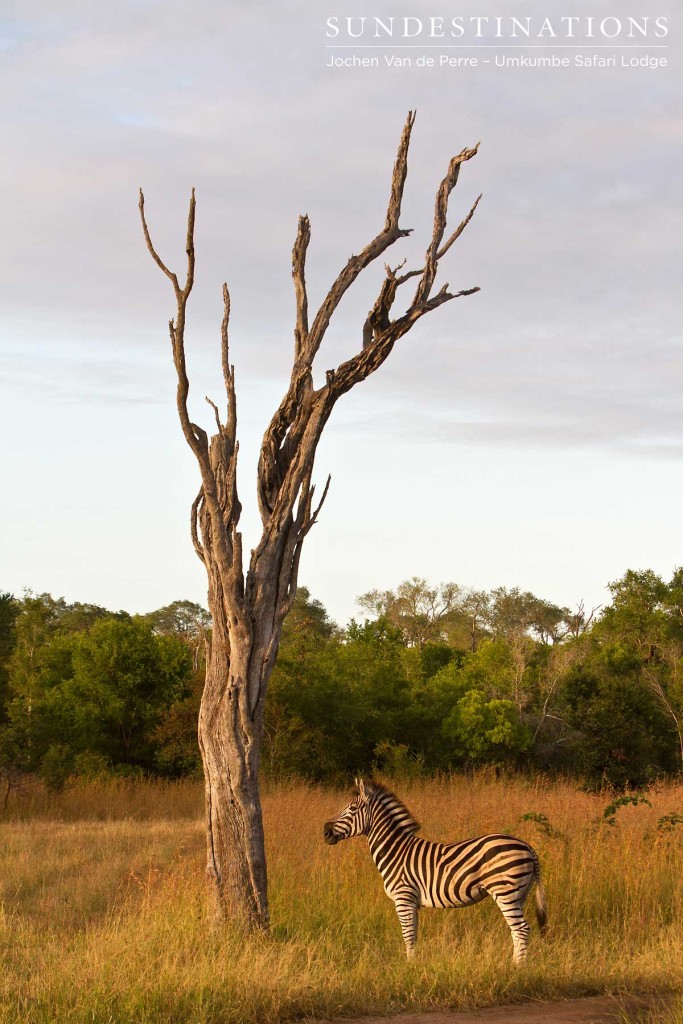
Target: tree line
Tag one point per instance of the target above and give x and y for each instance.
(434, 679)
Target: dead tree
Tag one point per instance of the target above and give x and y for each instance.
(247, 610)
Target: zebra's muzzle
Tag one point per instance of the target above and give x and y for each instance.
(328, 833)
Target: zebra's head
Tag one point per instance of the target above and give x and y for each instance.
(352, 821)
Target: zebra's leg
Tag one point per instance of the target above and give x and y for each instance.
(512, 908)
(406, 908)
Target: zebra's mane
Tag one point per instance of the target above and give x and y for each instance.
(397, 812)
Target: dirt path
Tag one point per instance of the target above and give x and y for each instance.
(595, 1010)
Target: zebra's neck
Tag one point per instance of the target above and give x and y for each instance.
(389, 819)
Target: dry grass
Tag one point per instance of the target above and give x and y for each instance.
(103, 913)
(113, 799)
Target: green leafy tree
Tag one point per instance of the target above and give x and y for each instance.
(421, 612)
(470, 623)
(638, 612)
(371, 661)
(306, 699)
(102, 689)
(485, 730)
(334, 697)
(175, 737)
(40, 658)
(623, 736)
(500, 668)
(432, 700)
(307, 622)
(460, 715)
(552, 665)
(9, 612)
(76, 617)
(646, 618)
(35, 625)
(124, 676)
(187, 621)
(180, 618)
(513, 612)
(434, 657)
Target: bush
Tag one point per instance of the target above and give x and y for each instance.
(56, 767)
(398, 762)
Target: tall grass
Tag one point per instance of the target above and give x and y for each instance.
(106, 799)
(104, 917)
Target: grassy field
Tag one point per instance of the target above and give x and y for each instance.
(103, 916)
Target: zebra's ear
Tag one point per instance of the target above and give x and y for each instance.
(361, 788)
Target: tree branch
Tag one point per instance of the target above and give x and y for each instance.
(228, 370)
(444, 248)
(218, 496)
(440, 214)
(194, 514)
(177, 327)
(155, 256)
(380, 333)
(303, 237)
(289, 443)
(373, 250)
(275, 457)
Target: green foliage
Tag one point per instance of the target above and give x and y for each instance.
(668, 822)
(543, 823)
(623, 736)
(609, 815)
(484, 730)
(307, 622)
(85, 681)
(56, 766)
(180, 618)
(438, 679)
(91, 766)
(9, 612)
(434, 657)
(398, 762)
(421, 613)
(175, 737)
(332, 700)
(10, 760)
(123, 678)
(491, 668)
(637, 611)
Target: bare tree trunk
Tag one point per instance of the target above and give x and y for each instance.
(236, 861)
(247, 610)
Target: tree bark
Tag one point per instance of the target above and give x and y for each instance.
(247, 611)
(236, 861)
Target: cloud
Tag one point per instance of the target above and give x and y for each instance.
(551, 388)
(573, 336)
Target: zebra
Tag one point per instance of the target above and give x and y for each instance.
(419, 873)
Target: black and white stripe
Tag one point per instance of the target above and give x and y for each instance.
(418, 873)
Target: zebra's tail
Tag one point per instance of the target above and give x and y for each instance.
(541, 905)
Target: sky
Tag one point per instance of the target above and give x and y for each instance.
(529, 435)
